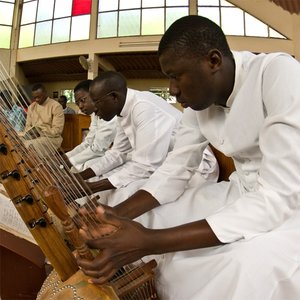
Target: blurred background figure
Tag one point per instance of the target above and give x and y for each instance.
(44, 123)
(67, 110)
(13, 112)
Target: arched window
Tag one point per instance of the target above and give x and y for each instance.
(235, 21)
(53, 21)
(6, 21)
(138, 17)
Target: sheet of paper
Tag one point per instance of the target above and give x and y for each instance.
(10, 219)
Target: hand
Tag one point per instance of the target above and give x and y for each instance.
(127, 242)
(82, 188)
(87, 216)
(100, 185)
(66, 160)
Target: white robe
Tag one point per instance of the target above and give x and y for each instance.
(99, 138)
(145, 134)
(257, 213)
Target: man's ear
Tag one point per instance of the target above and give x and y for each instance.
(215, 59)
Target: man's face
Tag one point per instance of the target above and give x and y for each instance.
(39, 96)
(84, 102)
(106, 102)
(191, 80)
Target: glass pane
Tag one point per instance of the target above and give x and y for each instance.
(254, 27)
(129, 22)
(81, 7)
(26, 36)
(153, 21)
(208, 2)
(107, 25)
(80, 28)
(125, 4)
(275, 34)
(177, 2)
(173, 14)
(43, 33)
(29, 12)
(6, 13)
(63, 8)
(226, 3)
(5, 33)
(45, 10)
(153, 3)
(61, 30)
(212, 13)
(232, 21)
(106, 5)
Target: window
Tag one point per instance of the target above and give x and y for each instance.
(54, 21)
(163, 92)
(138, 17)
(69, 94)
(235, 21)
(6, 19)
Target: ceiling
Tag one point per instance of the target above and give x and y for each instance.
(292, 6)
(142, 65)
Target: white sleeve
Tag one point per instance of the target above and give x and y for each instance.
(153, 130)
(209, 167)
(115, 156)
(103, 138)
(77, 150)
(169, 181)
(277, 195)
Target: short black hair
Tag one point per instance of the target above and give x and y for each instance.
(64, 98)
(194, 36)
(38, 86)
(113, 81)
(83, 85)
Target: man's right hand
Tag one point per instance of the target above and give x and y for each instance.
(114, 237)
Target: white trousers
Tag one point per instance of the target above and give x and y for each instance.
(114, 197)
(263, 268)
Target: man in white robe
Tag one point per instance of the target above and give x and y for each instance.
(146, 126)
(230, 240)
(101, 133)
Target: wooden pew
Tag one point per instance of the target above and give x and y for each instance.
(22, 268)
(74, 130)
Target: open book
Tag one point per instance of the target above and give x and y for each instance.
(10, 219)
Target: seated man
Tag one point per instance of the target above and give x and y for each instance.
(101, 133)
(243, 235)
(146, 126)
(44, 123)
(63, 102)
